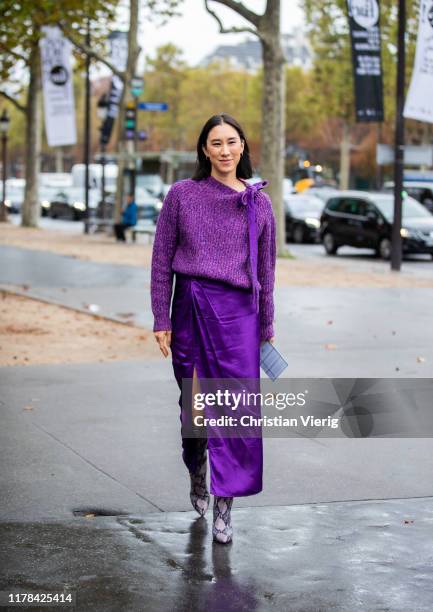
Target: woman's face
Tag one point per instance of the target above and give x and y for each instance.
(224, 148)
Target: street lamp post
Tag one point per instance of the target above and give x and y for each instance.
(87, 134)
(396, 252)
(4, 127)
(103, 104)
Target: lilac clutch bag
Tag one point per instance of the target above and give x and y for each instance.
(271, 360)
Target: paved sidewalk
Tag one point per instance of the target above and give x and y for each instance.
(107, 436)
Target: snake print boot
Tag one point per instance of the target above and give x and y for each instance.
(222, 525)
(199, 494)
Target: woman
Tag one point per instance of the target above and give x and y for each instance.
(216, 233)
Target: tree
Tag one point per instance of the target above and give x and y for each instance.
(156, 10)
(20, 32)
(267, 28)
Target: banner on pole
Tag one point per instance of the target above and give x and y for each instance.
(118, 57)
(57, 87)
(366, 58)
(419, 101)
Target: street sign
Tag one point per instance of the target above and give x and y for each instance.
(137, 86)
(152, 106)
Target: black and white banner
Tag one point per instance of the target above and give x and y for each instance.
(419, 101)
(367, 66)
(118, 57)
(57, 85)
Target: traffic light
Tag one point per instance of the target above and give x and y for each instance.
(130, 121)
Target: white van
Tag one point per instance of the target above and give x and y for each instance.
(95, 176)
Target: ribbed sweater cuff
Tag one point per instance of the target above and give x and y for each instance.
(162, 323)
(266, 332)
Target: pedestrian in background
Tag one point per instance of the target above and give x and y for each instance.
(129, 219)
(216, 233)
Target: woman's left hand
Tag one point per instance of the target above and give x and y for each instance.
(271, 340)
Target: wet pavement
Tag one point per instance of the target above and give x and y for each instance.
(371, 556)
(342, 524)
(60, 279)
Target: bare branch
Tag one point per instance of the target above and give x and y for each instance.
(12, 100)
(229, 30)
(14, 54)
(241, 10)
(71, 35)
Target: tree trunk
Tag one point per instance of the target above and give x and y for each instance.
(133, 51)
(59, 159)
(31, 206)
(345, 157)
(273, 120)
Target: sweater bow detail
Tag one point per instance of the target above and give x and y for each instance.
(247, 198)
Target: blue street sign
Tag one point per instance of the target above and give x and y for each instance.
(152, 106)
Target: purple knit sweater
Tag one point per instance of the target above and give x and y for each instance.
(202, 230)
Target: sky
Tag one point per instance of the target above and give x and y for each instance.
(197, 32)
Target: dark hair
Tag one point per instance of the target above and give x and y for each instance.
(203, 166)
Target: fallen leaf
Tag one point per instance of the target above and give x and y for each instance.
(330, 347)
(28, 408)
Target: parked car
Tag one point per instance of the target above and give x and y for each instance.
(364, 220)
(149, 206)
(153, 183)
(14, 195)
(423, 192)
(47, 196)
(165, 189)
(324, 193)
(302, 217)
(288, 187)
(70, 203)
(420, 190)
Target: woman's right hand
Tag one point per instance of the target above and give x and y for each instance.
(164, 340)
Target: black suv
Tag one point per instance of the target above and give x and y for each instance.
(364, 220)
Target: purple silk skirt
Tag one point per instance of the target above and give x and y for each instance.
(216, 331)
